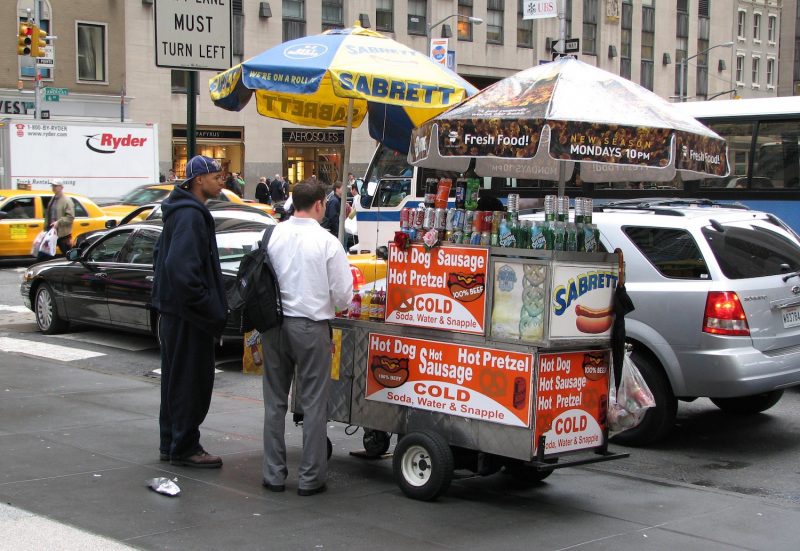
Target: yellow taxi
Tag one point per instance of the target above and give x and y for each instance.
(370, 268)
(22, 218)
(155, 193)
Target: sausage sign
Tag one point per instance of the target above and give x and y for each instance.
(580, 302)
(572, 399)
(444, 288)
(466, 381)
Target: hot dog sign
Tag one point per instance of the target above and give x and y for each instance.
(581, 301)
(457, 379)
(444, 288)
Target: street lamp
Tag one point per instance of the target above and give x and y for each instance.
(684, 63)
(429, 28)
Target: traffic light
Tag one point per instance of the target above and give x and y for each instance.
(24, 39)
(38, 42)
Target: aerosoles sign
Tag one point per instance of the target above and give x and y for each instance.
(193, 34)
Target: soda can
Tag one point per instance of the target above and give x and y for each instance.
(405, 218)
(440, 219)
(458, 219)
(477, 221)
(419, 217)
(429, 218)
(430, 191)
(469, 217)
(456, 236)
(448, 222)
(497, 216)
(513, 202)
(475, 238)
(486, 238)
(486, 220)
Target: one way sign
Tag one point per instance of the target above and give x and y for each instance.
(568, 46)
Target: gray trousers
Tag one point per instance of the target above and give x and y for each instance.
(305, 344)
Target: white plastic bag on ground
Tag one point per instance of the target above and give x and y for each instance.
(627, 406)
(49, 242)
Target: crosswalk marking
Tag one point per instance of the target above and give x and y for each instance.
(131, 343)
(15, 308)
(45, 350)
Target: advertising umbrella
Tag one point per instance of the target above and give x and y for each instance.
(541, 122)
(336, 78)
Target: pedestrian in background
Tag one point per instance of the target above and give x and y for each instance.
(262, 191)
(59, 215)
(189, 294)
(286, 186)
(315, 281)
(232, 184)
(276, 190)
(242, 183)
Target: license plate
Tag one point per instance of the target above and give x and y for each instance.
(791, 316)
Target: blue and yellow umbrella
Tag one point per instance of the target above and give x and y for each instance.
(320, 80)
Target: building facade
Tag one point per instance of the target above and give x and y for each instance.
(105, 59)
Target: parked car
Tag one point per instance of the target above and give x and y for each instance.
(22, 218)
(152, 211)
(155, 193)
(108, 283)
(717, 297)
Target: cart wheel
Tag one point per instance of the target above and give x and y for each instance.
(423, 465)
(376, 442)
(330, 447)
(525, 473)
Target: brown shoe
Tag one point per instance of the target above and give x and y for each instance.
(199, 460)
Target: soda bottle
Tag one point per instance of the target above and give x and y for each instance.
(591, 234)
(473, 188)
(461, 191)
(537, 236)
(430, 192)
(549, 221)
(375, 307)
(560, 228)
(366, 304)
(355, 306)
(581, 240)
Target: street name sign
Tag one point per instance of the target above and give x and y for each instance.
(193, 34)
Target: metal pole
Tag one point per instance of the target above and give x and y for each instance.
(348, 132)
(562, 22)
(681, 83)
(37, 114)
(191, 115)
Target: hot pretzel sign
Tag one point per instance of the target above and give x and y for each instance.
(466, 381)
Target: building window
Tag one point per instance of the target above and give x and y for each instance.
(27, 64)
(464, 25)
(626, 24)
(648, 42)
(417, 19)
(384, 15)
(524, 28)
(180, 81)
(756, 71)
(332, 14)
(772, 28)
(494, 21)
(91, 52)
(237, 30)
(770, 72)
(294, 19)
(757, 27)
(741, 25)
(568, 17)
(703, 9)
(739, 69)
(681, 46)
(590, 27)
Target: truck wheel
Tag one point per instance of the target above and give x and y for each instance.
(47, 318)
(525, 473)
(376, 442)
(747, 405)
(659, 420)
(423, 465)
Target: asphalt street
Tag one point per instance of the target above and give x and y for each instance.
(78, 440)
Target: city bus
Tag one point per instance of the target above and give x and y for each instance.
(763, 138)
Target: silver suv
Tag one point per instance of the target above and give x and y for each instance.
(717, 296)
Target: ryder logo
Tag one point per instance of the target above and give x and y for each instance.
(108, 143)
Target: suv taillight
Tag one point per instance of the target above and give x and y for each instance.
(724, 315)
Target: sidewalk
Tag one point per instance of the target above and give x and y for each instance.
(77, 447)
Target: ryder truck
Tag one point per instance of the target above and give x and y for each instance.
(97, 159)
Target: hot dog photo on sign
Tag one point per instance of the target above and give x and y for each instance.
(581, 301)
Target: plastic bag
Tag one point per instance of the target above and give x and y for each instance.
(628, 405)
(37, 242)
(49, 242)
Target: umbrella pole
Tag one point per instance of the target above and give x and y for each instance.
(348, 131)
(562, 178)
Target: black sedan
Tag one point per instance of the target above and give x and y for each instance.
(108, 282)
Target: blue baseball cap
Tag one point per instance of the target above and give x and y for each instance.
(198, 165)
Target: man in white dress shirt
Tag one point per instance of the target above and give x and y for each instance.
(315, 281)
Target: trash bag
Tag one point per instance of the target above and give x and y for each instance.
(628, 404)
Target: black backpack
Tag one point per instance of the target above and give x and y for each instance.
(256, 292)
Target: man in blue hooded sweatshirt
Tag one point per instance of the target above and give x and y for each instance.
(189, 294)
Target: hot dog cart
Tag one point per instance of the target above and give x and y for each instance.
(489, 358)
